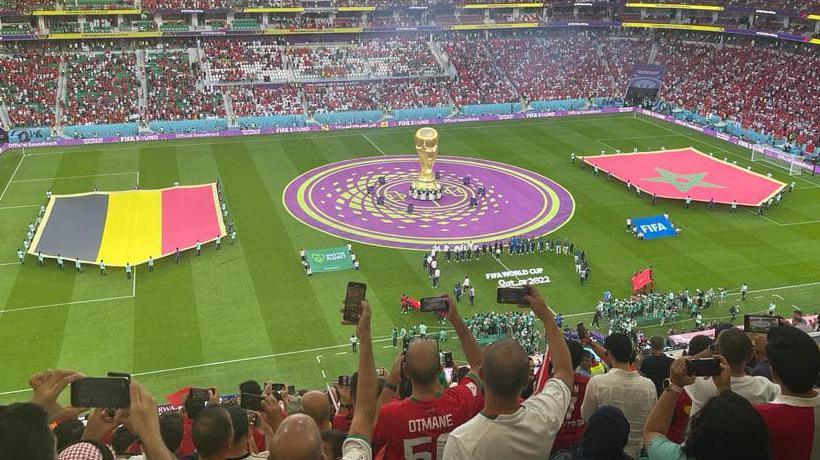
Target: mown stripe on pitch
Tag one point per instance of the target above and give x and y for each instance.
(166, 333)
(289, 306)
(228, 312)
(33, 342)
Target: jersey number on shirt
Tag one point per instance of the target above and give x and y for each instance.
(411, 444)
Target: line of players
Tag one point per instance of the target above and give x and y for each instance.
(517, 245)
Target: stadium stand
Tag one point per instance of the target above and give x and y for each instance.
(756, 84)
(233, 61)
(753, 85)
(175, 91)
(101, 88)
(28, 86)
(479, 81)
(266, 101)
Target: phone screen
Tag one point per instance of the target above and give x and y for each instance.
(250, 401)
(428, 304)
(353, 299)
(704, 367)
(101, 392)
(759, 323)
(199, 394)
(513, 295)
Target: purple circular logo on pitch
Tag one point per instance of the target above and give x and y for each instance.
(366, 200)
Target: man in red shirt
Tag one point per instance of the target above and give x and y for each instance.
(792, 418)
(573, 428)
(417, 427)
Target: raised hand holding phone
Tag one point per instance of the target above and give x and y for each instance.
(47, 387)
(352, 307)
(536, 303)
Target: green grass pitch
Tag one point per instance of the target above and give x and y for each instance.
(249, 311)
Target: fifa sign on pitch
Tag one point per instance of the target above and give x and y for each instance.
(654, 227)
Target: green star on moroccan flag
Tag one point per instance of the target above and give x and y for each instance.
(682, 182)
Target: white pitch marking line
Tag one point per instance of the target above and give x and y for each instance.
(374, 144)
(6, 264)
(605, 144)
(764, 217)
(800, 223)
(219, 363)
(20, 207)
(318, 359)
(11, 179)
(64, 304)
(324, 376)
(388, 346)
(77, 177)
(77, 302)
(778, 296)
(342, 353)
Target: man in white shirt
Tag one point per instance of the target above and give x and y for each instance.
(505, 428)
(623, 388)
(736, 346)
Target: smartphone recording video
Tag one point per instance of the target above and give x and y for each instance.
(250, 401)
(511, 296)
(448, 360)
(353, 302)
(429, 304)
(704, 367)
(759, 323)
(101, 392)
(201, 394)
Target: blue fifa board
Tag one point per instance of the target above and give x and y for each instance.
(654, 227)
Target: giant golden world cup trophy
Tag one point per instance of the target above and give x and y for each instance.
(426, 187)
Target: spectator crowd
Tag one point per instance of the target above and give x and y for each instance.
(756, 84)
(739, 396)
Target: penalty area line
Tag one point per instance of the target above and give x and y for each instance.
(76, 302)
(374, 144)
(11, 179)
(20, 207)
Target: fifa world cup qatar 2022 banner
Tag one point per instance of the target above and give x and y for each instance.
(522, 277)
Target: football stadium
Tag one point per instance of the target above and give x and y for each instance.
(400, 229)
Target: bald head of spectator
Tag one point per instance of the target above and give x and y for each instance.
(422, 364)
(316, 405)
(297, 438)
(505, 370)
(212, 433)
